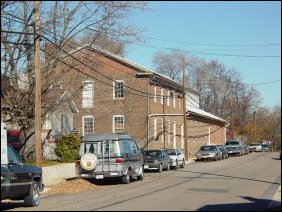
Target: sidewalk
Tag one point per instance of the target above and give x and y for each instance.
(275, 204)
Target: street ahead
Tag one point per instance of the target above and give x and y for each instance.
(245, 183)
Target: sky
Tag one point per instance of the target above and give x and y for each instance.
(237, 25)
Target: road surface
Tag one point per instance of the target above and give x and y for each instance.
(245, 183)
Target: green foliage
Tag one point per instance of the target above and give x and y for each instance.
(67, 148)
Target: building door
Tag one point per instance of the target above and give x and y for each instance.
(174, 135)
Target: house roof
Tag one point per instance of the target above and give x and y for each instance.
(202, 113)
(143, 70)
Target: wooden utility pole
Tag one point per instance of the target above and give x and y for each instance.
(37, 85)
(255, 114)
(184, 115)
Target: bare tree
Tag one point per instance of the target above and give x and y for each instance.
(63, 25)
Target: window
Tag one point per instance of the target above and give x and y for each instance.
(125, 146)
(155, 93)
(119, 89)
(179, 102)
(87, 94)
(133, 146)
(155, 129)
(168, 131)
(174, 134)
(118, 123)
(88, 124)
(162, 123)
(168, 96)
(182, 136)
(173, 96)
(162, 96)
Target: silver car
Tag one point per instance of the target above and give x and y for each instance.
(211, 152)
(103, 156)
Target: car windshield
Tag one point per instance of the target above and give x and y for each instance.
(208, 148)
(232, 143)
(171, 152)
(254, 144)
(152, 153)
(264, 146)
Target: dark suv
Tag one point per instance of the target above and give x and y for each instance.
(20, 182)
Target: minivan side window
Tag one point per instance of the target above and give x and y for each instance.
(133, 146)
(125, 146)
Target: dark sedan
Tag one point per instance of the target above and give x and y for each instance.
(156, 159)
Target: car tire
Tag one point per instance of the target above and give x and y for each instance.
(160, 168)
(126, 178)
(33, 198)
(183, 164)
(141, 177)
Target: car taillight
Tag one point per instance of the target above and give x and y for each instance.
(119, 161)
(77, 163)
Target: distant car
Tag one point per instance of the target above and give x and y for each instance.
(109, 155)
(224, 151)
(156, 159)
(177, 158)
(245, 147)
(256, 147)
(264, 148)
(210, 152)
(235, 148)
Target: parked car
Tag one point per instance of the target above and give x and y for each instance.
(20, 182)
(156, 159)
(264, 148)
(245, 147)
(110, 155)
(177, 159)
(211, 152)
(235, 148)
(224, 151)
(256, 147)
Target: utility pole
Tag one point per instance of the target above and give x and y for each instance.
(232, 121)
(163, 119)
(255, 114)
(37, 85)
(184, 115)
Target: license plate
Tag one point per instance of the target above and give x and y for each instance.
(146, 166)
(99, 177)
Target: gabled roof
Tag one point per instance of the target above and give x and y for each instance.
(143, 70)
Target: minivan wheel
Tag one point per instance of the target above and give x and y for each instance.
(33, 198)
(126, 178)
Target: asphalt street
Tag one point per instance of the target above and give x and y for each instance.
(245, 183)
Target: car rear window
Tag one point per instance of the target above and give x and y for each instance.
(110, 147)
(152, 153)
(208, 148)
(232, 143)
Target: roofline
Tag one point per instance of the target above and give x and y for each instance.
(145, 71)
(208, 117)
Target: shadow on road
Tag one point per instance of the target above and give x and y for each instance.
(11, 205)
(254, 205)
(242, 178)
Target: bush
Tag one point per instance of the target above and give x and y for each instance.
(67, 148)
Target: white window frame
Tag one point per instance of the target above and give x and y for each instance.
(162, 95)
(155, 93)
(155, 129)
(168, 133)
(114, 89)
(174, 135)
(173, 93)
(168, 97)
(92, 98)
(179, 103)
(118, 116)
(162, 125)
(83, 118)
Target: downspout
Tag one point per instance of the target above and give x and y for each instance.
(225, 131)
(148, 114)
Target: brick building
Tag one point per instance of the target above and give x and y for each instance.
(114, 94)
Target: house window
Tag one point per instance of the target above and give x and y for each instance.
(155, 93)
(168, 132)
(119, 89)
(168, 96)
(162, 96)
(118, 123)
(173, 96)
(162, 123)
(182, 136)
(87, 94)
(155, 129)
(88, 124)
(174, 134)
